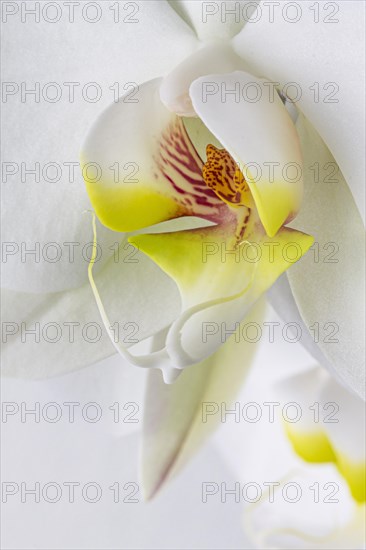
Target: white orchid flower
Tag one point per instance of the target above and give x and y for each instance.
(217, 273)
(325, 490)
(175, 179)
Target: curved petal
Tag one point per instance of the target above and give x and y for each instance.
(329, 523)
(259, 134)
(317, 59)
(165, 172)
(282, 300)
(68, 332)
(329, 286)
(347, 437)
(331, 427)
(173, 424)
(216, 57)
(214, 20)
(261, 452)
(43, 135)
(219, 279)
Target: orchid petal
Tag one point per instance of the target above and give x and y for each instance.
(43, 135)
(68, 324)
(331, 427)
(329, 287)
(331, 523)
(307, 53)
(213, 58)
(257, 134)
(150, 140)
(261, 451)
(214, 20)
(173, 424)
(218, 280)
(282, 300)
(347, 436)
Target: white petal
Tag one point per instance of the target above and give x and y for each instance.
(215, 20)
(341, 414)
(333, 522)
(173, 423)
(260, 453)
(213, 58)
(164, 170)
(257, 131)
(331, 427)
(322, 53)
(282, 300)
(48, 131)
(348, 434)
(329, 287)
(133, 290)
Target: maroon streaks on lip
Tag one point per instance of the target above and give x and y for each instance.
(179, 163)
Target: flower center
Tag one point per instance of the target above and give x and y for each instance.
(223, 176)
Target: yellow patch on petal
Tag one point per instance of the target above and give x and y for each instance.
(130, 207)
(223, 176)
(210, 263)
(316, 447)
(355, 475)
(274, 201)
(312, 447)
